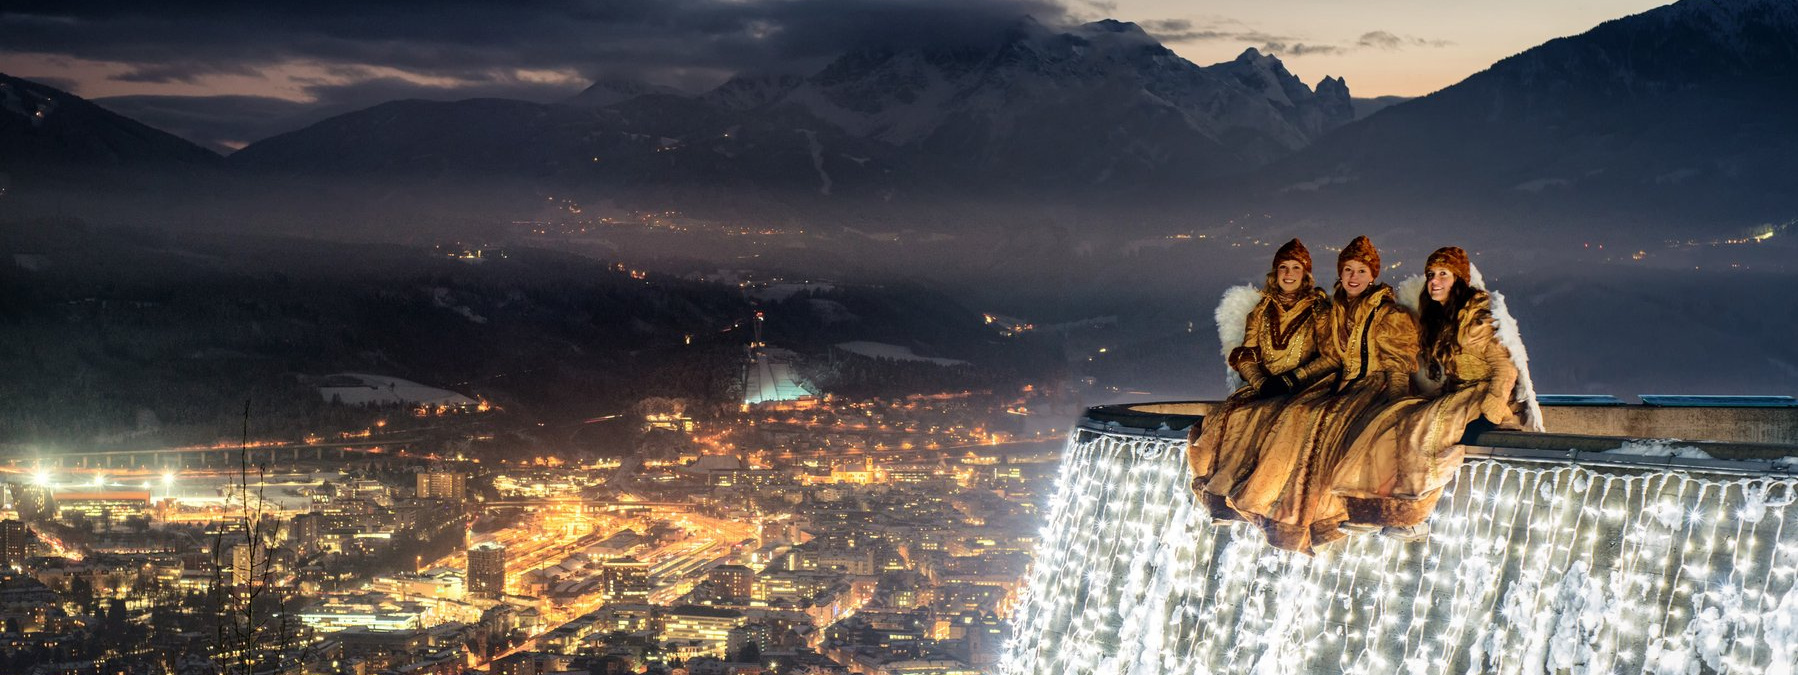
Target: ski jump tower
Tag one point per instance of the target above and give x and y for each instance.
(1585, 553)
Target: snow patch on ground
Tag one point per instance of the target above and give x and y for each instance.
(1666, 447)
(811, 137)
(365, 389)
(881, 350)
(441, 298)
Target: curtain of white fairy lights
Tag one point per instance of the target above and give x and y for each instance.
(1531, 569)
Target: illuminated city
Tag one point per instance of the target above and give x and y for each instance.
(885, 535)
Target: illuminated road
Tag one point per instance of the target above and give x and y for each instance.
(946, 452)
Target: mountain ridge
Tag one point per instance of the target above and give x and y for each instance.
(956, 114)
(1675, 113)
(42, 126)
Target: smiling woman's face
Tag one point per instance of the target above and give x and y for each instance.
(1289, 275)
(1439, 281)
(1356, 278)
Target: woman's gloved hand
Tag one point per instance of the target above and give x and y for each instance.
(1278, 385)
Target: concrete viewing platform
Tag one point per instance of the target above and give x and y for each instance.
(1738, 433)
(1603, 546)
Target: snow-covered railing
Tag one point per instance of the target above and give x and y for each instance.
(1538, 562)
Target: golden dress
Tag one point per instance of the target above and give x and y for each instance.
(1280, 336)
(1368, 353)
(1404, 456)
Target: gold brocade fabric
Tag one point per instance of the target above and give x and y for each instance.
(1371, 346)
(1286, 338)
(1276, 341)
(1400, 461)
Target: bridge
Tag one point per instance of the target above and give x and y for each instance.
(204, 457)
(1550, 553)
(587, 505)
(1000, 452)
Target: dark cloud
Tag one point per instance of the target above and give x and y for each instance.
(1105, 8)
(181, 71)
(1380, 39)
(1184, 30)
(226, 123)
(364, 93)
(1300, 48)
(183, 40)
(360, 54)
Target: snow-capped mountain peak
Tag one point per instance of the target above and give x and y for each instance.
(1119, 32)
(903, 97)
(1266, 74)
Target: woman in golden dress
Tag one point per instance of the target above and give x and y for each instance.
(1369, 350)
(1280, 337)
(1409, 451)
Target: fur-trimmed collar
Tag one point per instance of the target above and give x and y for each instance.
(1477, 308)
(1314, 295)
(1373, 297)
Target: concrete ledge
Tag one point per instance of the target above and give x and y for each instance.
(1730, 434)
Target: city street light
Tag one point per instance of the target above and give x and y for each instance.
(41, 478)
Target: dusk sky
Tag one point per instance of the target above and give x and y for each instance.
(262, 61)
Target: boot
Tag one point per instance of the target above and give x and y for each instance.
(1418, 532)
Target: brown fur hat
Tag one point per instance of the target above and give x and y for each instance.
(1360, 250)
(1293, 250)
(1453, 259)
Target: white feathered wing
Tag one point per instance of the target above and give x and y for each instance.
(1233, 324)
